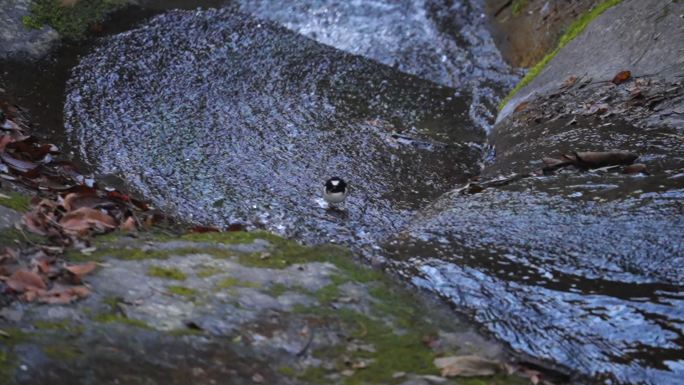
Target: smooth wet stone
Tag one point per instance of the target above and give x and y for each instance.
(223, 318)
(586, 280)
(220, 117)
(447, 42)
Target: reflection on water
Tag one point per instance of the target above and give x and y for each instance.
(593, 285)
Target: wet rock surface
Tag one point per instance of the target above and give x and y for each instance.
(578, 266)
(445, 42)
(234, 309)
(221, 118)
(643, 37)
(18, 41)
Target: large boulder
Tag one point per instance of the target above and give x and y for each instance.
(221, 117)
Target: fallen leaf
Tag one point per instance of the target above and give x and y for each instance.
(4, 141)
(129, 225)
(621, 77)
(593, 159)
(466, 366)
(569, 81)
(82, 220)
(23, 280)
(34, 222)
(63, 296)
(17, 164)
(74, 201)
(637, 168)
(521, 107)
(82, 269)
(67, 3)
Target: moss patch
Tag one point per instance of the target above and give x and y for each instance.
(166, 273)
(107, 318)
(62, 352)
(16, 201)
(572, 32)
(518, 6)
(8, 361)
(72, 22)
(231, 282)
(181, 290)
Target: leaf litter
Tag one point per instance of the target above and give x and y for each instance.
(68, 209)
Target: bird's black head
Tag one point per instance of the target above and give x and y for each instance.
(335, 185)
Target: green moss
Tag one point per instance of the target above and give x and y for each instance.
(518, 6)
(328, 294)
(182, 291)
(72, 22)
(107, 318)
(8, 362)
(63, 325)
(16, 201)
(571, 33)
(62, 352)
(208, 271)
(231, 282)
(166, 273)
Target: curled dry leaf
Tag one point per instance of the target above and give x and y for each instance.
(466, 366)
(621, 77)
(82, 220)
(82, 269)
(24, 280)
(74, 201)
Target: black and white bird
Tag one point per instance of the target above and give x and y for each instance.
(335, 190)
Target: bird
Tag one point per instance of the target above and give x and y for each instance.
(335, 190)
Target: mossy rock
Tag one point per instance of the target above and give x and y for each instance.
(70, 21)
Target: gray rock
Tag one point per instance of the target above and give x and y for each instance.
(645, 37)
(8, 217)
(18, 41)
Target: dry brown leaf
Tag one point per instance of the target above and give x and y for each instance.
(569, 81)
(82, 269)
(23, 280)
(4, 141)
(466, 366)
(67, 3)
(521, 107)
(62, 296)
(129, 225)
(593, 159)
(621, 77)
(34, 222)
(82, 220)
(635, 168)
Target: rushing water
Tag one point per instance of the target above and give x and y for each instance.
(240, 114)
